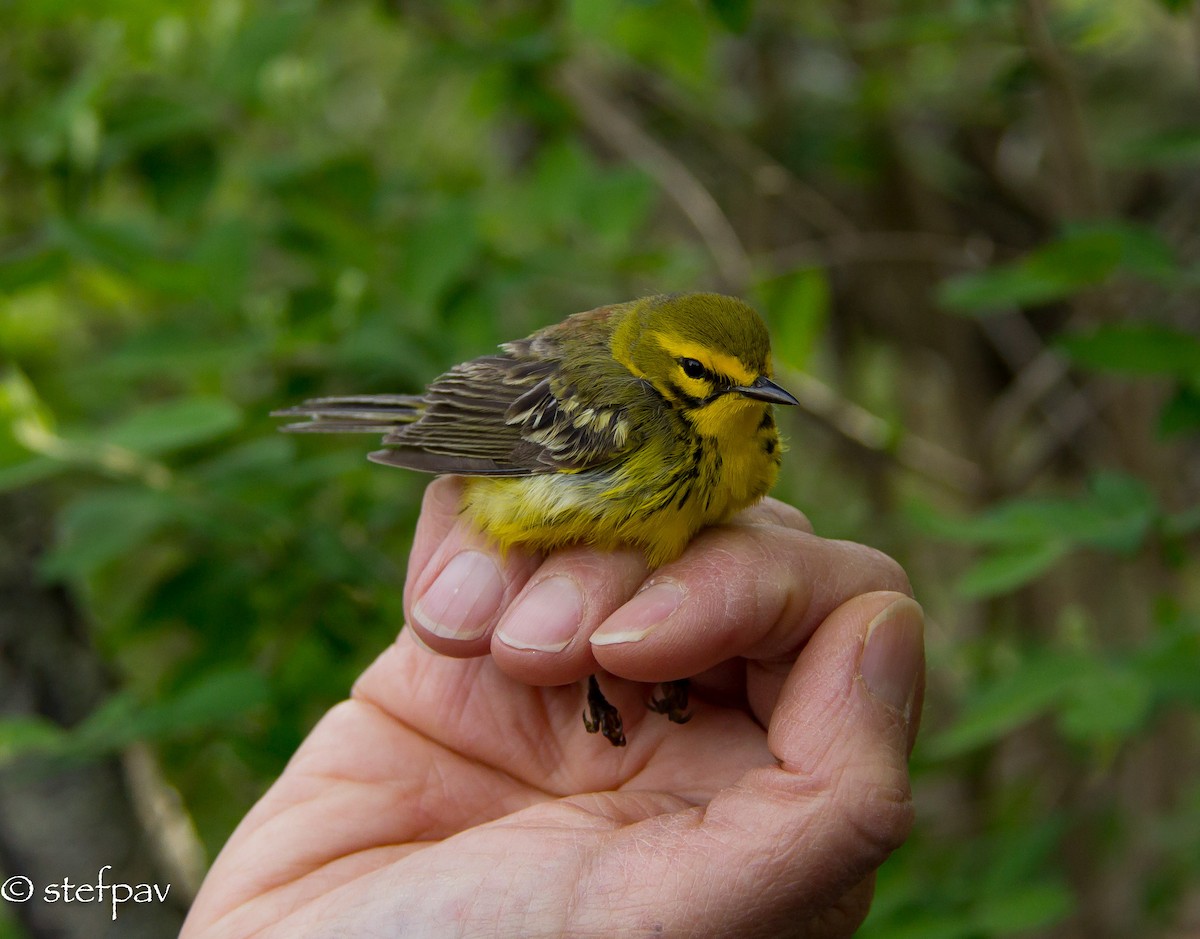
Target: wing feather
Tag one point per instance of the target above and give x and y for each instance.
(516, 415)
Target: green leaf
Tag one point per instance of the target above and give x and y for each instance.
(798, 308)
(439, 248)
(1017, 285)
(1179, 146)
(1029, 907)
(1114, 514)
(560, 178)
(173, 425)
(133, 252)
(616, 208)
(25, 269)
(1170, 662)
(224, 254)
(1010, 568)
(20, 736)
(260, 458)
(1181, 524)
(734, 15)
(20, 410)
(147, 118)
(1017, 521)
(28, 472)
(177, 351)
(103, 525)
(1028, 536)
(1135, 349)
(1143, 251)
(1084, 256)
(922, 924)
(1106, 702)
(1181, 414)
(237, 65)
(677, 46)
(1122, 509)
(181, 174)
(212, 699)
(1030, 691)
(1016, 853)
(209, 699)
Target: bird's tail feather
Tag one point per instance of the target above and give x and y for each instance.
(360, 414)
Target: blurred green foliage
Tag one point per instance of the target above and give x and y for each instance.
(972, 225)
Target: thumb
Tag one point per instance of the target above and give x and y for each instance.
(842, 730)
(857, 685)
(847, 717)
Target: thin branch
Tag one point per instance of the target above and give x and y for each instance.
(617, 128)
(884, 246)
(809, 202)
(860, 426)
(1042, 380)
(1079, 176)
(1069, 416)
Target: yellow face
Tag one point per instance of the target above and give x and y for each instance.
(704, 381)
(714, 362)
(707, 355)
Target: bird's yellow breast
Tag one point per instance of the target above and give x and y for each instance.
(653, 499)
(732, 424)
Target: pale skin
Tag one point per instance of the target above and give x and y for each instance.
(456, 793)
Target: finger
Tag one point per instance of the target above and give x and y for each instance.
(754, 591)
(459, 581)
(439, 513)
(808, 829)
(773, 512)
(542, 637)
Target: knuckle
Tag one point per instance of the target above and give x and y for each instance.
(876, 810)
(788, 515)
(882, 571)
(774, 513)
(442, 495)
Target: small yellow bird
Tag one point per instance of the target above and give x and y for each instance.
(633, 424)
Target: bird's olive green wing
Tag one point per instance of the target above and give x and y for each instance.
(517, 414)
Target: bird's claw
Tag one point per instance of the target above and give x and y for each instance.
(673, 703)
(601, 717)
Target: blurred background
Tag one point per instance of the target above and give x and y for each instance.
(972, 225)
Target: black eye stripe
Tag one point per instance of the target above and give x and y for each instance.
(695, 370)
(691, 402)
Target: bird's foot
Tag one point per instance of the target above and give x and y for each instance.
(674, 701)
(602, 717)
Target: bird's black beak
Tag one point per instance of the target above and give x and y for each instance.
(764, 389)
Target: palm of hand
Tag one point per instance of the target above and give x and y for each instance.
(448, 798)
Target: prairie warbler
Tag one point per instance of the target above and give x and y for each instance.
(633, 424)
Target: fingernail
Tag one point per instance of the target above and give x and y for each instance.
(637, 618)
(546, 618)
(463, 600)
(892, 654)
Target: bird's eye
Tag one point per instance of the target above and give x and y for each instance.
(692, 368)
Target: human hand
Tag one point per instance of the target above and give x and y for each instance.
(458, 794)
